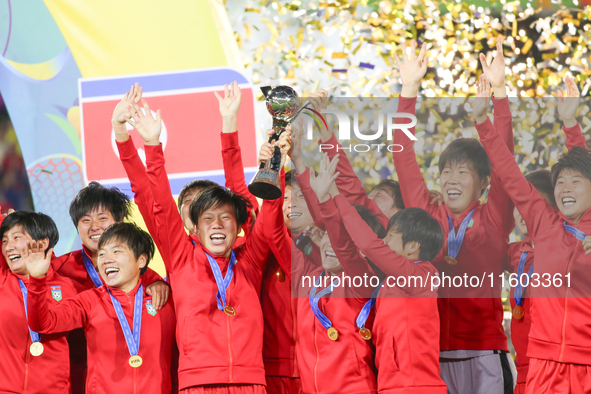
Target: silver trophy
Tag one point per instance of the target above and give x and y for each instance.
(284, 105)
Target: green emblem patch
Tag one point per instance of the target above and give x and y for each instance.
(56, 293)
(150, 308)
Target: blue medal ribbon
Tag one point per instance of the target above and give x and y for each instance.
(133, 340)
(35, 337)
(363, 315)
(575, 231)
(222, 282)
(96, 279)
(519, 290)
(315, 298)
(454, 241)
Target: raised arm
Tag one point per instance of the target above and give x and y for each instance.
(176, 247)
(533, 208)
(231, 153)
(499, 207)
(568, 102)
(412, 185)
(134, 168)
(374, 248)
(347, 253)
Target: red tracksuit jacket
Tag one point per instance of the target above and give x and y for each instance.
(520, 327)
(561, 323)
(327, 366)
(214, 348)
(21, 372)
(406, 326)
(466, 323)
(348, 182)
(108, 355)
(279, 335)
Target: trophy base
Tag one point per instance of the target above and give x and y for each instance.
(266, 185)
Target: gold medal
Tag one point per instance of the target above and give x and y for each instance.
(333, 334)
(135, 361)
(450, 260)
(230, 311)
(281, 275)
(365, 334)
(36, 349)
(518, 312)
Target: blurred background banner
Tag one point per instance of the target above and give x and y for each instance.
(48, 46)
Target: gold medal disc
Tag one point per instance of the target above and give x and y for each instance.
(230, 311)
(518, 312)
(450, 260)
(365, 334)
(135, 361)
(36, 349)
(333, 334)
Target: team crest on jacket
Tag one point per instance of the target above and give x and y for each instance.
(150, 308)
(56, 293)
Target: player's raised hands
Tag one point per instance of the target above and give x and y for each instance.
(568, 102)
(412, 68)
(495, 72)
(482, 99)
(229, 106)
(321, 183)
(148, 127)
(36, 260)
(132, 97)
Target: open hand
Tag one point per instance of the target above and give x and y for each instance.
(412, 68)
(36, 260)
(148, 127)
(495, 72)
(131, 98)
(321, 183)
(482, 99)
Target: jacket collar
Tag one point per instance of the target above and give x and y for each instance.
(458, 220)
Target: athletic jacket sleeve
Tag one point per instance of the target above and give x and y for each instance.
(234, 173)
(150, 276)
(347, 253)
(310, 197)
(140, 184)
(69, 314)
(533, 208)
(412, 185)
(499, 207)
(348, 182)
(574, 136)
(176, 247)
(256, 249)
(375, 249)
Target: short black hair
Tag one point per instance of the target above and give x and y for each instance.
(394, 188)
(95, 196)
(416, 225)
(466, 150)
(578, 159)
(290, 179)
(215, 196)
(542, 181)
(196, 184)
(136, 239)
(38, 225)
(371, 220)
